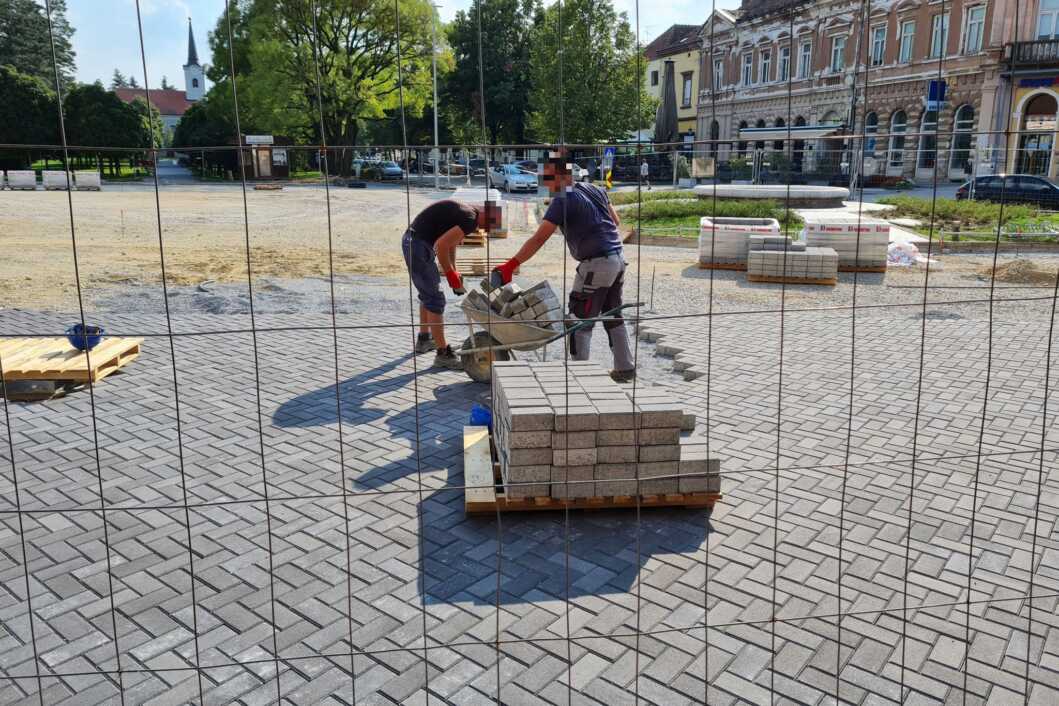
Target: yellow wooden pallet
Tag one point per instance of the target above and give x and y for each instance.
(483, 492)
(737, 266)
(56, 359)
(832, 281)
(859, 268)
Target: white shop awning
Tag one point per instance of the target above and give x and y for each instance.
(802, 132)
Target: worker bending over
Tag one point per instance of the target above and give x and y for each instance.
(435, 233)
(588, 221)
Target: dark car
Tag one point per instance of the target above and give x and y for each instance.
(1012, 188)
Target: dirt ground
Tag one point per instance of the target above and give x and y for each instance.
(204, 239)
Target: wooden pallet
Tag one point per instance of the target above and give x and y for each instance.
(856, 268)
(268, 187)
(484, 491)
(791, 280)
(736, 266)
(473, 240)
(56, 359)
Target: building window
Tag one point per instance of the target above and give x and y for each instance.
(654, 78)
(785, 63)
(973, 30)
(939, 35)
(748, 69)
(765, 67)
(838, 54)
(908, 36)
(715, 136)
(1048, 19)
(928, 140)
(740, 146)
(871, 129)
(878, 45)
(685, 96)
(718, 74)
(961, 140)
(898, 126)
(194, 83)
(805, 60)
(777, 145)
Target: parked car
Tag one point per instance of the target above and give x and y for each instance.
(510, 177)
(528, 164)
(1012, 188)
(580, 173)
(383, 171)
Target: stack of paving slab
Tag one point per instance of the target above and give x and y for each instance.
(55, 180)
(724, 242)
(568, 431)
(840, 232)
(538, 305)
(87, 180)
(21, 179)
(776, 257)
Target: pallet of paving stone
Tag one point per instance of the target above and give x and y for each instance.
(775, 279)
(484, 487)
(735, 266)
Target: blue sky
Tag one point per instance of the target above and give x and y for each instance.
(107, 37)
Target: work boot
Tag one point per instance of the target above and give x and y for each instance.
(623, 375)
(425, 343)
(447, 359)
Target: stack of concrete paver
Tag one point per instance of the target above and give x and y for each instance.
(725, 241)
(566, 430)
(776, 257)
(860, 242)
(538, 305)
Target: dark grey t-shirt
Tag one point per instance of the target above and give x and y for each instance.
(434, 220)
(583, 214)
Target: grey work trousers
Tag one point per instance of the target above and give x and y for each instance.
(598, 288)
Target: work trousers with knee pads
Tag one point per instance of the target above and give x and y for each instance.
(597, 288)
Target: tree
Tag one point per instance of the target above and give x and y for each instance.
(24, 40)
(603, 92)
(118, 80)
(96, 117)
(28, 116)
(355, 45)
(506, 32)
(166, 86)
(133, 83)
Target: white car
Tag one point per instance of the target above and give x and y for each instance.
(512, 178)
(579, 172)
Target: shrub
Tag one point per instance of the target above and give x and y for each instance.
(622, 198)
(748, 208)
(960, 214)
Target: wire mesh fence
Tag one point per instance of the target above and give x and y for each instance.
(268, 506)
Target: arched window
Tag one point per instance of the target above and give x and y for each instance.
(962, 136)
(760, 144)
(1037, 135)
(898, 127)
(778, 144)
(871, 129)
(741, 145)
(194, 83)
(928, 140)
(715, 136)
(798, 148)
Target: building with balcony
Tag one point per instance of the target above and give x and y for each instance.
(1032, 67)
(679, 44)
(851, 92)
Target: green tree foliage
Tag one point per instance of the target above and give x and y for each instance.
(506, 32)
(166, 86)
(96, 117)
(355, 47)
(603, 97)
(118, 80)
(28, 116)
(24, 39)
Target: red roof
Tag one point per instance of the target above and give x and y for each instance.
(676, 39)
(168, 102)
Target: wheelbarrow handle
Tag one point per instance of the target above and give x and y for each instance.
(592, 322)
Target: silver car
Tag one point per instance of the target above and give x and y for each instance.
(512, 178)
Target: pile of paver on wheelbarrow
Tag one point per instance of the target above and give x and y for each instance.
(565, 431)
(538, 304)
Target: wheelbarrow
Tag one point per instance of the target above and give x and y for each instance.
(494, 337)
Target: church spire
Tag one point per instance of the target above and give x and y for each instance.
(193, 54)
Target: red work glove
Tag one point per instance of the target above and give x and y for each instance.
(455, 282)
(507, 270)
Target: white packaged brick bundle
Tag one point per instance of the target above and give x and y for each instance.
(860, 241)
(87, 180)
(22, 179)
(725, 241)
(55, 180)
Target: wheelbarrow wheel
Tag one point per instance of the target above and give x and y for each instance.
(478, 366)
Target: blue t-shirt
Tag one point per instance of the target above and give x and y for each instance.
(583, 214)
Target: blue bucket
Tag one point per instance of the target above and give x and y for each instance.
(481, 416)
(84, 338)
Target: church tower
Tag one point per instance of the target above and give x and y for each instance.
(194, 76)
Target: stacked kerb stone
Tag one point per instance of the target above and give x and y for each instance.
(777, 257)
(569, 431)
(538, 305)
(860, 242)
(725, 241)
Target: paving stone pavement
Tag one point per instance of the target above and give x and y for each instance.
(242, 554)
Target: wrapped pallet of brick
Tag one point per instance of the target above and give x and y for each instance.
(87, 180)
(778, 259)
(55, 180)
(567, 431)
(724, 242)
(860, 241)
(22, 179)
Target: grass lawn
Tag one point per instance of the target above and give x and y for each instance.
(125, 172)
(669, 216)
(976, 220)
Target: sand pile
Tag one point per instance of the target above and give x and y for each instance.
(1020, 271)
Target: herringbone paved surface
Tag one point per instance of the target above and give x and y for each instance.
(286, 574)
